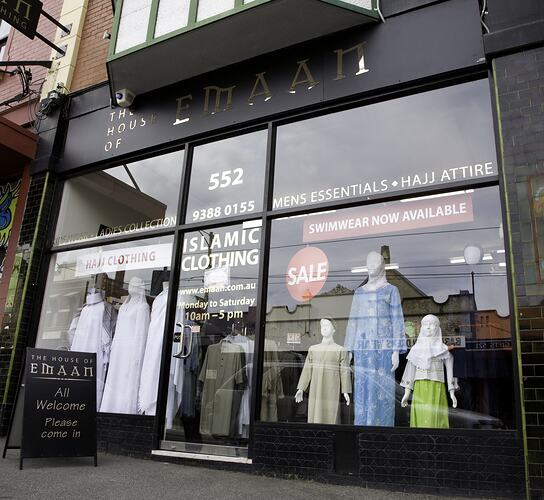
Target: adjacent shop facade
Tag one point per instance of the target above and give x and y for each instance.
(17, 148)
(203, 237)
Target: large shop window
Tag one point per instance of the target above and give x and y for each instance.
(111, 300)
(391, 314)
(127, 199)
(212, 365)
(227, 178)
(421, 141)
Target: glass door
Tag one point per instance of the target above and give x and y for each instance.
(209, 393)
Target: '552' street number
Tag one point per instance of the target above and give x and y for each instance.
(226, 178)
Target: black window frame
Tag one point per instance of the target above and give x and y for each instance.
(267, 215)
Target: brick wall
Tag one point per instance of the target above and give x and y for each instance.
(19, 47)
(91, 63)
(520, 86)
(473, 463)
(130, 435)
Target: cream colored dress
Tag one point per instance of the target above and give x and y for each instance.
(326, 371)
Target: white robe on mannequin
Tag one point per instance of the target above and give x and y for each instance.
(149, 378)
(127, 353)
(91, 335)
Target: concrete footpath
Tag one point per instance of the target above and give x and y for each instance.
(129, 478)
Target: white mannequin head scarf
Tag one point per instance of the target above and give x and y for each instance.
(428, 348)
(136, 291)
(379, 279)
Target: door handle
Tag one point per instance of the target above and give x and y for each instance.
(182, 354)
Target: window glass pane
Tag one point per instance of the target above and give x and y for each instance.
(172, 15)
(424, 140)
(210, 379)
(227, 177)
(443, 256)
(366, 4)
(132, 29)
(111, 300)
(209, 8)
(4, 29)
(138, 196)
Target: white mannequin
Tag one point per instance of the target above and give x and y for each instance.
(127, 352)
(327, 332)
(376, 279)
(430, 327)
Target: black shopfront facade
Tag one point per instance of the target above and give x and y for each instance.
(218, 221)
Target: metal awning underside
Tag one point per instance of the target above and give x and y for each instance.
(255, 31)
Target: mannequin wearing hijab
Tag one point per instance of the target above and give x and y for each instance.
(127, 352)
(424, 374)
(375, 337)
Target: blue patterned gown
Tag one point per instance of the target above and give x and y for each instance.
(375, 329)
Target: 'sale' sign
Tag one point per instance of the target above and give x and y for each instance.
(60, 404)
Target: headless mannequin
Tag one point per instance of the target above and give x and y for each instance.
(327, 332)
(430, 327)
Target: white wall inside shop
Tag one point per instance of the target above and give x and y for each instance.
(104, 200)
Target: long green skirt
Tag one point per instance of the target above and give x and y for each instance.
(429, 405)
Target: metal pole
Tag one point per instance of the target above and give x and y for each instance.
(52, 45)
(45, 64)
(54, 21)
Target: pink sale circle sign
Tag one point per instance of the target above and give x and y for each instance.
(306, 273)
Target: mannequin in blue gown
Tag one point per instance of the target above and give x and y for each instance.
(375, 337)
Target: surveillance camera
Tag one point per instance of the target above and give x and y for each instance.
(124, 97)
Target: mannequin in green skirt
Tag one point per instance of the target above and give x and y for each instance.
(424, 375)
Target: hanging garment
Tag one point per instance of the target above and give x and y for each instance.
(291, 363)
(326, 371)
(375, 329)
(272, 388)
(191, 366)
(243, 417)
(180, 394)
(127, 353)
(175, 385)
(93, 331)
(149, 378)
(222, 377)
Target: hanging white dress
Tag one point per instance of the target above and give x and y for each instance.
(149, 378)
(92, 335)
(127, 353)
